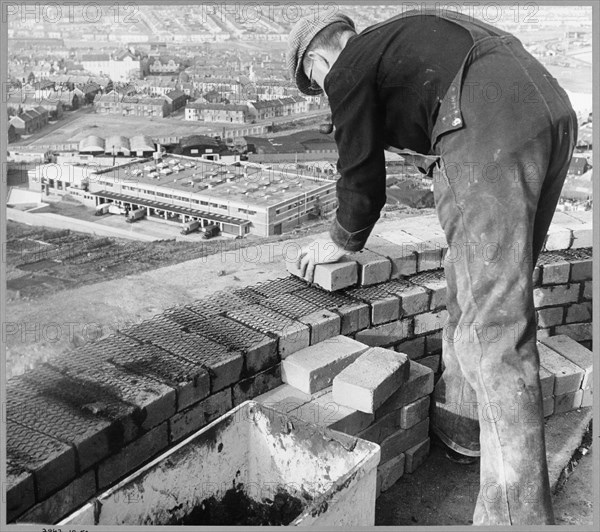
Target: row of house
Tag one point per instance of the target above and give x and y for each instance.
(245, 113)
(123, 103)
(30, 121)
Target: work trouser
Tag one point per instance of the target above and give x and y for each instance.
(501, 177)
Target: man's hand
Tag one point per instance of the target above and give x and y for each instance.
(320, 251)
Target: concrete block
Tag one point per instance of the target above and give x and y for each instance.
(403, 439)
(412, 348)
(416, 455)
(133, 455)
(20, 491)
(567, 375)
(338, 275)
(366, 383)
(414, 412)
(430, 321)
(404, 261)
(194, 418)
(323, 324)
(580, 332)
(390, 472)
(313, 368)
(579, 312)
(559, 294)
(583, 236)
(372, 267)
(257, 384)
(419, 384)
(556, 272)
(61, 503)
(548, 403)
(568, 401)
(386, 334)
(574, 352)
(431, 361)
(546, 382)
(323, 411)
(550, 316)
(558, 238)
(581, 270)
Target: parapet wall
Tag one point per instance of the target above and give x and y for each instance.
(80, 423)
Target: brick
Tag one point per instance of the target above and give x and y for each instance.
(283, 398)
(313, 368)
(581, 270)
(194, 418)
(20, 491)
(550, 316)
(556, 272)
(419, 384)
(435, 283)
(257, 384)
(433, 343)
(567, 376)
(558, 238)
(366, 383)
(372, 267)
(555, 295)
(548, 404)
(132, 456)
(355, 317)
(579, 312)
(63, 502)
(580, 332)
(336, 276)
(416, 455)
(430, 321)
(431, 361)
(587, 290)
(546, 382)
(390, 472)
(414, 299)
(292, 335)
(385, 307)
(51, 461)
(536, 276)
(583, 236)
(323, 324)
(404, 261)
(412, 348)
(429, 257)
(587, 398)
(414, 412)
(568, 401)
(324, 412)
(381, 428)
(386, 334)
(403, 439)
(574, 352)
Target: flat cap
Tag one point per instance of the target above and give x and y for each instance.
(300, 37)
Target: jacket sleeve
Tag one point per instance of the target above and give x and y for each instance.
(359, 122)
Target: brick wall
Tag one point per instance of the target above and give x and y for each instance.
(78, 424)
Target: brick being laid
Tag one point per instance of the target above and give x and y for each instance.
(404, 261)
(313, 368)
(333, 276)
(368, 381)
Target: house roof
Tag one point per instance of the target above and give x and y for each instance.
(91, 143)
(94, 57)
(266, 104)
(116, 141)
(141, 143)
(174, 94)
(218, 106)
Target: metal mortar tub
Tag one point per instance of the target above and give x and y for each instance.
(252, 466)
